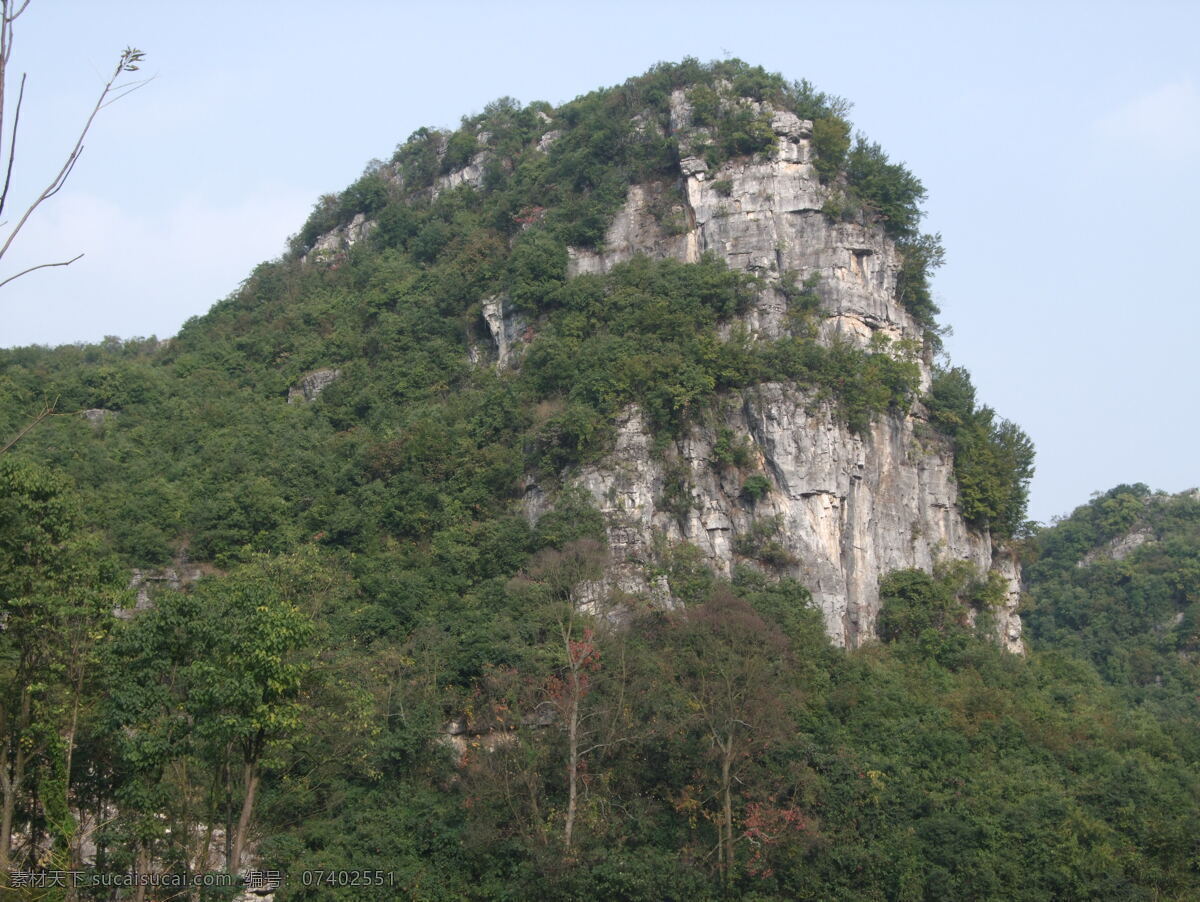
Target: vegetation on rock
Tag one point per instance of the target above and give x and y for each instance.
(386, 664)
(993, 459)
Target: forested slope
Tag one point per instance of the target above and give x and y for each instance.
(361, 646)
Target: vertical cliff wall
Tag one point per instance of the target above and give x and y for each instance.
(842, 509)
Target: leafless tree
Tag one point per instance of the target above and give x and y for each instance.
(113, 90)
(727, 663)
(562, 574)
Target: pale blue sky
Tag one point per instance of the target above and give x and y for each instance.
(1060, 144)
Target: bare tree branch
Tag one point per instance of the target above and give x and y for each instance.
(6, 20)
(110, 93)
(53, 189)
(120, 93)
(41, 415)
(40, 266)
(126, 64)
(12, 147)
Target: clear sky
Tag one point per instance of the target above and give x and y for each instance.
(1059, 142)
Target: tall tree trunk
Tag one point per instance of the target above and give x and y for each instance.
(202, 862)
(250, 776)
(228, 816)
(35, 824)
(572, 761)
(11, 779)
(101, 846)
(71, 731)
(143, 867)
(75, 843)
(212, 811)
(6, 817)
(727, 812)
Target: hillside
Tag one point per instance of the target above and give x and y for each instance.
(574, 510)
(1117, 584)
(803, 307)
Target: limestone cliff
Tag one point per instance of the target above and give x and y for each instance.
(765, 216)
(842, 509)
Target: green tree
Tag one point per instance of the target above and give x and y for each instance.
(889, 188)
(56, 598)
(205, 688)
(162, 784)
(993, 458)
(913, 603)
(831, 140)
(247, 686)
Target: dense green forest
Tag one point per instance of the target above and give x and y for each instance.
(373, 661)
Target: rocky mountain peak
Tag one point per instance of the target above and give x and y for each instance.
(719, 168)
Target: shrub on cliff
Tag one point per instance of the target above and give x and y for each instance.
(993, 458)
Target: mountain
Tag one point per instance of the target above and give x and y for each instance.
(575, 510)
(723, 170)
(794, 356)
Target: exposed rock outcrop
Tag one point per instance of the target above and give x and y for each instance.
(464, 733)
(332, 247)
(312, 384)
(764, 215)
(842, 509)
(144, 583)
(471, 174)
(1119, 548)
(97, 416)
(508, 329)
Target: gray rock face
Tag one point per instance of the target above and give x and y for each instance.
(312, 384)
(97, 416)
(842, 510)
(471, 174)
(1119, 548)
(764, 216)
(144, 583)
(331, 248)
(507, 328)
